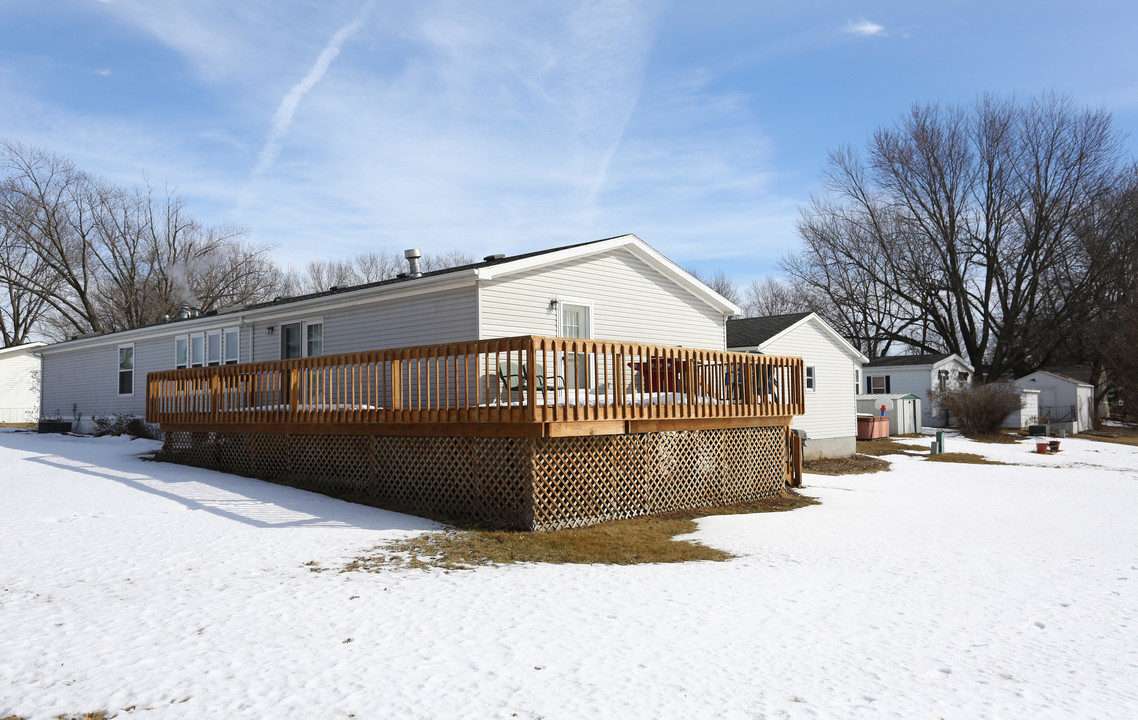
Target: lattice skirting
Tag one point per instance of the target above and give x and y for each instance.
(510, 483)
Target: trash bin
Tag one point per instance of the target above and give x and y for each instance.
(660, 374)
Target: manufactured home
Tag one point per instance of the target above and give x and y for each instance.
(548, 389)
(917, 375)
(831, 366)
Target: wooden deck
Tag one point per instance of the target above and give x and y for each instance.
(526, 386)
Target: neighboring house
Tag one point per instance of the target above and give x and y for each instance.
(918, 374)
(831, 374)
(1062, 399)
(618, 288)
(20, 384)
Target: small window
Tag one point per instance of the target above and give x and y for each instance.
(962, 377)
(878, 384)
(942, 380)
(810, 378)
(314, 339)
(857, 381)
(197, 350)
(182, 351)
(126, 369)
(213, 348)
(232, 346)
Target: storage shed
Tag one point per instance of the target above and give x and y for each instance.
(902, 409)
(1062, 399)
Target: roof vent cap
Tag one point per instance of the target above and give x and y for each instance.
(495, 258)
(413, 256)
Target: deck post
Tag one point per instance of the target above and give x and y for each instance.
(396, 390)
(293, 389)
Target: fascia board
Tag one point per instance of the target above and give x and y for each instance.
(17, 349)
(630, 242)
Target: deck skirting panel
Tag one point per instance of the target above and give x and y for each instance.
(521, 483)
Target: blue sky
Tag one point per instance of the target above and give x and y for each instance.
(332, 127)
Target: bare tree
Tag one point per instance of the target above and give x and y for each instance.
(368, 267)
(81, 255)
(772, 296)
(959, 230)
(719, 281)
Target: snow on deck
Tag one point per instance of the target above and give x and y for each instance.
(933, 590)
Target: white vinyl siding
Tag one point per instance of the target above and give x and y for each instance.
(831, 411)
(631, 301)
(83, 383)
(428, 319)
(19, 385)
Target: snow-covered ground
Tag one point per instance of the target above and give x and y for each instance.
(931, 591)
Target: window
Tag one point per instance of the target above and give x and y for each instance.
(857, 381)
(182, 351)
(575, 321)
(314, 339)
(810, 378)
(126, 369)
(197, 350)
(962, 377)
(942, 380)
(213, 347)
(878, 384)
(232, 346)
(302, 339)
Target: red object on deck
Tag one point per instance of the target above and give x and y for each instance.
(660, 374)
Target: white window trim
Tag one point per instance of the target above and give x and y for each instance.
(205, 335)
(884, 385)
(857, 381)
(576, 301)
(810, 379)
(318, 320)
(119, 371)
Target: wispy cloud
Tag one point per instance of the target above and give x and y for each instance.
(865, 28)
(282, 119)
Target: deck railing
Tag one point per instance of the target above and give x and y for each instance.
(526, 379)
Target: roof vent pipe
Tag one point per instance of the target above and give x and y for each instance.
(413, 256)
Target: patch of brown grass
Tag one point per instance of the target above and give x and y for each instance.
(969, 458)
(853, 465)
(1117, 435)
(889, 446)
(621, 542)
(1000, 438)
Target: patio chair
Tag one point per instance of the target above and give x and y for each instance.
(514, 379)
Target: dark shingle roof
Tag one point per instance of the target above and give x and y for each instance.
(752, 332)
(338, 291)
(899, 360)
